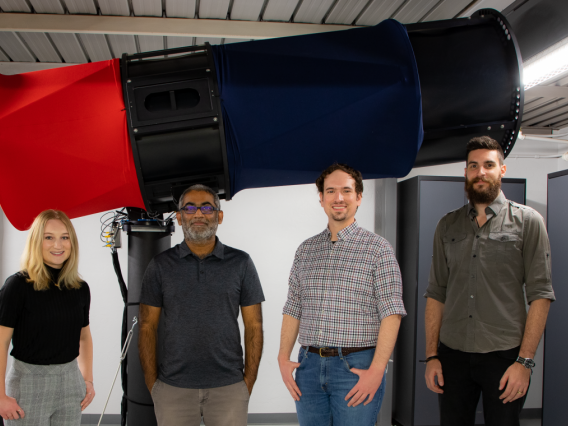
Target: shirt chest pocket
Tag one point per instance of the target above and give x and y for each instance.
(454, 246)
(499, 241)
(501, 247)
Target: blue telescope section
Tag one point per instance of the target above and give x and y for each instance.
(295, 105)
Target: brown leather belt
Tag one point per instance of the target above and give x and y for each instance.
(325, 352)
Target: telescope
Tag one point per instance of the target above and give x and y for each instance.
(136, 132)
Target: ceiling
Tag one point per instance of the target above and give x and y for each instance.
(37, 34)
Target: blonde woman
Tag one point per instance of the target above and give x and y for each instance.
(44, 311)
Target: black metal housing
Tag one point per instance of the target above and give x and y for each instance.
(470, 78)
(175, 123)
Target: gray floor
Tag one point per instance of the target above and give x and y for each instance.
(524, 422)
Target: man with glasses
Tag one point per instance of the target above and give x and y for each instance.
(345, 302)
(195, 289)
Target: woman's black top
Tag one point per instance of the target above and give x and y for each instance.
(47, 324)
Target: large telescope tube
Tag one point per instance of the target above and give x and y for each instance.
(255, 114)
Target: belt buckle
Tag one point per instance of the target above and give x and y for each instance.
(320, 351)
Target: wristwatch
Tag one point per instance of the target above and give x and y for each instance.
(525, 362)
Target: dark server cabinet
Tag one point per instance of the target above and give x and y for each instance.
(422, 201)
(555, 374)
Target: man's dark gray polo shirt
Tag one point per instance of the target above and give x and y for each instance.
(479, 273)
(200, 298)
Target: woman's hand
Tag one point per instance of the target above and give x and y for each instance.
(9, 408)
(89, 396)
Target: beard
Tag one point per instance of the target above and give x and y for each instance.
(202, 233)
(483, 196)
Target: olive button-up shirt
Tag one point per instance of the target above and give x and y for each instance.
(482, 274)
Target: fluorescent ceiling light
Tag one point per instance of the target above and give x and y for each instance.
(546, 65)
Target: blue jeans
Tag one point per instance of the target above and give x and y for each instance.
(325, 382)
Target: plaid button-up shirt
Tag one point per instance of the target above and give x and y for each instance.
(341, 291)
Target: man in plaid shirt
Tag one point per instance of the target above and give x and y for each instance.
(345, 301)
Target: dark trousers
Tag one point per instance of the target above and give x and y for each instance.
(469, 375)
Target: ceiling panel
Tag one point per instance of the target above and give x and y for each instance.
(180, 8)
(69, 47)
(345, 11)
(414, 10)
(214, 9)
(233, 40)
(554, 118)
(541, 107)
(174, 41)
(150, 43)
(121, 43)
(114, 7)
(313, 11)
(96, 46)
(47, 6)
(378, 11)
(41, 47)
(14, 6)
(147, 7)
(81, 6)
(544, 119)
(447, 10)
(14, 47)
(535, 105)
(279, 10)
(210, 40)
(493, 4)
(246, 10)
(3, 58)
(559, 80)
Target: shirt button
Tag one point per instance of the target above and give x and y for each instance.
(471, 296)
(474, 255)
(477, 236)
(320, 332)
(470, 316)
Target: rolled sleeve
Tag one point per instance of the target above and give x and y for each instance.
(537, 259)
(388, 284)
(293, 306)
(439, 273)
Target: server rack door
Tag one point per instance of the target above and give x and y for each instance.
(437, 197)
(555, 374)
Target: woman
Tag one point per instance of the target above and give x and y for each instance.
(44, 311)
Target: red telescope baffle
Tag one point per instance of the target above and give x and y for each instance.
(65, 134)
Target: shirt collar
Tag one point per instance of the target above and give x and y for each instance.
(218, 250)
(345, 233)
(495, 206)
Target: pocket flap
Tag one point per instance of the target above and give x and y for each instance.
(455, 238)
(503, 236)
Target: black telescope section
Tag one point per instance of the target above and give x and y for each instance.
(146, 239)
(175, 124)
(471, 83)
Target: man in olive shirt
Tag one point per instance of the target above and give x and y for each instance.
(479, 337)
